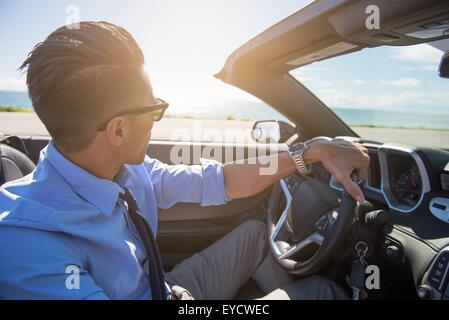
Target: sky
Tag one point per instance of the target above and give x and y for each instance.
(382, 78)
(186, 42)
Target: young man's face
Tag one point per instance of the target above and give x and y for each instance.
(140, 126)
(131, 132)
(140, 132)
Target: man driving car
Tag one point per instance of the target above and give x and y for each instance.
(90, 206)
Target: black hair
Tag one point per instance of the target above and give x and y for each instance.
(81, 74)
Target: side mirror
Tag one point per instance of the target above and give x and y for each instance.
(272, 131)
(443, 70)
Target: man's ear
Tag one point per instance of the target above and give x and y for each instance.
(115, 131)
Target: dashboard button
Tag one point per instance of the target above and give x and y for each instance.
(438, 270)
(393, 252)
(444, 181)
(424, 292)
(440, 208)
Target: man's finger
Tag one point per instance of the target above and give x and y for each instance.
(365, 151)
(353, 189)
(362, 173)
(362, 170)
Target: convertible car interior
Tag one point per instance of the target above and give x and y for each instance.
(314, 226)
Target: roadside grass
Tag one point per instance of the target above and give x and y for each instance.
(14, 109)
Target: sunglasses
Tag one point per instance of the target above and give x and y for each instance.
(157, 110)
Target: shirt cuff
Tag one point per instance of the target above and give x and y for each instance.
(213, 191)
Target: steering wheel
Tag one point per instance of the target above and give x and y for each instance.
(312, 226)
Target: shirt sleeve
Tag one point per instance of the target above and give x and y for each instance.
(43, 265)
(203, 184)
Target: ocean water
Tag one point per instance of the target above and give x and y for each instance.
(252, 110)
(18, 99)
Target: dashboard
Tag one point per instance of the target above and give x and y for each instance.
(412, 184)
(399, 178)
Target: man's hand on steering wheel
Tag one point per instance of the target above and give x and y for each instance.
(341, 158)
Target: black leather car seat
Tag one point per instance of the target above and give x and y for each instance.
(14, 164)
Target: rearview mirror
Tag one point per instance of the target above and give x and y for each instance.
(443, 70)
(272, 131)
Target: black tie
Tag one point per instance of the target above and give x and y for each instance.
(156, 271)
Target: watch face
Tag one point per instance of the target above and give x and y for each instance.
(298, 148)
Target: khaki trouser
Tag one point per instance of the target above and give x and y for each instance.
(220, 270)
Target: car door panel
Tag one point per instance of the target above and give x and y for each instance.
(188, 228)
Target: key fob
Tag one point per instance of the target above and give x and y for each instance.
(357, 275)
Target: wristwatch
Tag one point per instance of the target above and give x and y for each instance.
(296, 152)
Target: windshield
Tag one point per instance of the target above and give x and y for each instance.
(387, 94)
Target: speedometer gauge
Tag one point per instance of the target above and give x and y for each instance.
(404, 177)
(408, 186)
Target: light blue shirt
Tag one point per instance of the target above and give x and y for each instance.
(60, 219)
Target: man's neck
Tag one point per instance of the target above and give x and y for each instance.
(95, 160)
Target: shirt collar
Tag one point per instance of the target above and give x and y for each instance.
(101, 193)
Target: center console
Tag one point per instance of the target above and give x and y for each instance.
(436, 280)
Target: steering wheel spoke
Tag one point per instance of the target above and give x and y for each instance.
(315, 238)
(282, 219)
(325, 222)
